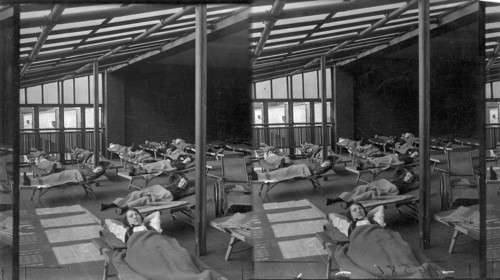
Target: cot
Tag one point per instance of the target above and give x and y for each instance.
(111, 248)
(409, 263)
(147, 178)
(39, 190)
(289, 174)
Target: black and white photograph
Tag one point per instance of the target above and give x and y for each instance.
(250, 139)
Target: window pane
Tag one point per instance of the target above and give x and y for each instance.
(318, 109)
(100, 88)
(297, 86)
(89, 117)
(50, 95)
(311, 85)
(252, 91)
(496, 89)
(329, 83)
(301, 112)
(48, 117)
(34, 95)
(69, 97)
(91, 88)
(22, 96)
(72, 117)
(81, 90)
(25, 118)
(263, 90)
(258, 113)
(279, 88)
(278, 112)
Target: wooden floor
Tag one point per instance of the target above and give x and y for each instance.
(41, 259)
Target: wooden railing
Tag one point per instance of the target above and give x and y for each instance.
(57, 141)
(288, 137)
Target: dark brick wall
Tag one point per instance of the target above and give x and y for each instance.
(160, 104)
(115, 106)
(344, 107)
(386, 97)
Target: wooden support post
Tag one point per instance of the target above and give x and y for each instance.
(424, 121)
(96, 113)
(324, 121)
(200, 120)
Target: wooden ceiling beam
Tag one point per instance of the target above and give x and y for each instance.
(52, 19)
(396, 13)
(96, 15)
(274, 14)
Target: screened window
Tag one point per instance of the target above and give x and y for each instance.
(50, 93)
(492, 112)
(301, 112)
(69, 97)
(89, 117)
(278, 112)
(34, 95)
(48, 117)
(26, 118)
(263, 90)
(280, 88)
(496, 89)
(297, 87)
(72, 117)
(318, 111)
(258, 116)
(22, 96)
(328, 82)
(311, 85)
(82, 90)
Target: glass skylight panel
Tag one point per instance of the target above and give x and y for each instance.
(85, 9)
(285, 39)
(259, 9)
(25, 15)
(380, 8)
(167, 11)
(492, 35)
(304, 20)
(343, 31)
(69, 34)
(61, 44)
(79, 24)
(28, 40)
(130, 34)
(30, 30)
(285, 31)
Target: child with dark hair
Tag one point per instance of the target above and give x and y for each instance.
(133, 222)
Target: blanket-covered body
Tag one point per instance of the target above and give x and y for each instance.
(287, 173)
(378, 189)
(66, 176)
(150, 255)
(375, 252)
(388, 160)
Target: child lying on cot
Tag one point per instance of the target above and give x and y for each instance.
(401, 183)
(295, 171)
(372, 248)
(387, 160)
(120, 149)
(67, 176)
(274, 156)
(150, 254)
(44, 162)
(182, 163)
(155, 195)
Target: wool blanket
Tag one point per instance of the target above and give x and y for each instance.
(283, 174)
(375, 252)
(150, 255)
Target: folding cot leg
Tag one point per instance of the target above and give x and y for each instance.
(329, 266)
(453, 240)
(105, 272)
(233, 241)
